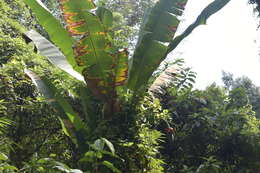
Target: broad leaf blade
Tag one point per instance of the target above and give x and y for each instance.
(38, 82)
(94, 53)
(46, 48)
(50, 98)
(211, 9)
(120, 68)
(146, 59)
(57, 33)
(92, 50)
(140, 76)
(72, 116)
(163, 19)
(155, 35)
(105, 16)
(85, 98)
(68, 115)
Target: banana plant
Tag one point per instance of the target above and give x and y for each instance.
(84, 49)
(157, 37)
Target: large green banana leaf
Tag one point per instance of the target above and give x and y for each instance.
(58, 35)
(211, 9)
(155, 41)
(94, 55)
(94, 52)
(70, 120)
(53, 54)
(157, 32)
(46, 48)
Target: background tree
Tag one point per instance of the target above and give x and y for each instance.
(212, 128)
(244, 83)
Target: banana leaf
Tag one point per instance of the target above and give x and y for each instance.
(211, 9)
(94, 52)
(85, 98)
(156, 33)
(57, 33)
(146, 58)
(54, 55)
(71, 121)
(105, 16)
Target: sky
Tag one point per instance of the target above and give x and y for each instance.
(229, 42)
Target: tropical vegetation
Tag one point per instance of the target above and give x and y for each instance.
(78, 96)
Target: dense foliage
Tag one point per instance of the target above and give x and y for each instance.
(213, 128)
(251, 91)
(22, 104)
(125, 128)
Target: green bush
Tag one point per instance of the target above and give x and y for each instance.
(36, 128)
(213, 123)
